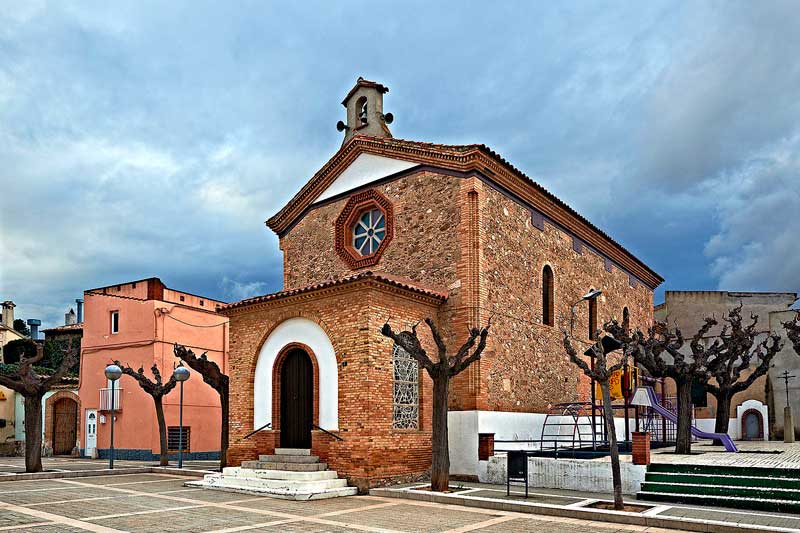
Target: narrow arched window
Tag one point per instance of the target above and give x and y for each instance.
(592, 317)
(548, 317)
(626, 316)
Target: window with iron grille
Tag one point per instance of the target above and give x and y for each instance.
(173, 438)
(406, 390)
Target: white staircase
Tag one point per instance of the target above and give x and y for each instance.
(292, 474)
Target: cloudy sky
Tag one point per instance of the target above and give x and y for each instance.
(153, 139)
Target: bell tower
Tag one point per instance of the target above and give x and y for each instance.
(364, 104)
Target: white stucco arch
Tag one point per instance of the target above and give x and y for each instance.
(754, 405)
(308, 332)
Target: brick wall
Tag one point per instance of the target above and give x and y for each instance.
(351, 315)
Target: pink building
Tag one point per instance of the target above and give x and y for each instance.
(137, 323)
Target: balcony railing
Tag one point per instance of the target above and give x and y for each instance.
(105, 399)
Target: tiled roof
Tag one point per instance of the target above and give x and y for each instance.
(361, 82)
(394, 281)
(66, 327)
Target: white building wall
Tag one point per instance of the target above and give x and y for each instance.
(464, 427)
(570, 474)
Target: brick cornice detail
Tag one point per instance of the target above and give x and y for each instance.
(355, 206)
(358, 285)
(466, 159)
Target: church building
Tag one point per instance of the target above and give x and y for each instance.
(396, 230)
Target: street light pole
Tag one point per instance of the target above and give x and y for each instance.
(591, 295)
(113, 373)
(181, 374)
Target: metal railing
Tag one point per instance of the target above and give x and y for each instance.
(268, 425)
(265, 426)
(105, 399)
(337, 437)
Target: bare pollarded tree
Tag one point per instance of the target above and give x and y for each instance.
(650, 349)
(32, 383)
(737, 350)
(441, 369)
(218, 381)
(601, 373)
(157, 390)
(792, 328)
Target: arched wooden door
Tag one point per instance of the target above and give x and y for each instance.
(65, 426)
(297, 400)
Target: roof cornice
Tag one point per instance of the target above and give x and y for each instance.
(361, 281)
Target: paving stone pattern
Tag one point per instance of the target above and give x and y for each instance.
(755, 518)
(159, 502)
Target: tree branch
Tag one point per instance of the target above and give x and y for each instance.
(483, 333)
(409, 342)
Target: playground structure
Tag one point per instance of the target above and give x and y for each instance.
(646, 396)
(577, 429)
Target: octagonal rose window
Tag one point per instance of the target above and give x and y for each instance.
(369, 231)
(364, 229)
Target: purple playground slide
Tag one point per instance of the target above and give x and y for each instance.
(650, 400)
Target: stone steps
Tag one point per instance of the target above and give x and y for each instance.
(293, 467)
(772, 505)
(288, 473)
(292, 451)
(760, 493)
(763, 489)
(729, 480)
(284, 458)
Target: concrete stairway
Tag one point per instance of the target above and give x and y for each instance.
(763, 489)
(292, 474)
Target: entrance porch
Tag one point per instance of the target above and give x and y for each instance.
(310, 370)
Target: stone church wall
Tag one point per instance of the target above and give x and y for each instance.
(424, 248)
(526, 368)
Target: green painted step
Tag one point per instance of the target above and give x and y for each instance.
(725, 470)
(725, 479)
(757, 493)
(772, 505)
(743, 487)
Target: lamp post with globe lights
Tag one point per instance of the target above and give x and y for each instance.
(181, 374)
(113, 373)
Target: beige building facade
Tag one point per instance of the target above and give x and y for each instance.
(752, 410)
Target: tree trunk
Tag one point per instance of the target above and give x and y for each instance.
(440, 464)
(223, 454)
(608, 414)
(723, 414)
(162, 432)
(33, 433)
(683, 439)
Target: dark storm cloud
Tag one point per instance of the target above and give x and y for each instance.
(154, 139)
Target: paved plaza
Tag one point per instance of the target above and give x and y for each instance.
(16, 465)
(160, 502)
